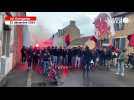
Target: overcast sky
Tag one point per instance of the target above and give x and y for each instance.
(50, 22)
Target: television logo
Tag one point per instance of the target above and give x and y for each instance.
(20, 20)
(124, 20)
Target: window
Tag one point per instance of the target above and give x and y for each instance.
(105, 41)
(122, 43)
(116, 43)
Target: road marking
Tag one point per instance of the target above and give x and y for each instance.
(29, 79)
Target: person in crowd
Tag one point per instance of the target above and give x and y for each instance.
(69, 58)
(38, 55)
(101, 56)
(35, 56)
(55, 56)
(52, 54)
(23, 54)
(82, 57)
(64, 56)
(46, 62)
(61, 57)
(29, 57)
(87, 59)
(130, 61)
(94, 57)
(77, 60)
(40, 58)
(121, 63)
(74, 52)
(58, 57)
(115, 56)
(108, 57)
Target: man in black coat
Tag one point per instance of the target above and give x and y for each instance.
(30, 57)
(23, 54)
(87, 59)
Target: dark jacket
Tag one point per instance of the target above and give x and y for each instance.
(87, 56)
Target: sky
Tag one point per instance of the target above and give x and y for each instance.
(50, 22)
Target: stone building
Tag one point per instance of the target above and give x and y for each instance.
(81, 41)
(11, 38)
(18, 41)
(71, 29)
(122, 30)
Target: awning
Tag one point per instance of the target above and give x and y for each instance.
(131, 40)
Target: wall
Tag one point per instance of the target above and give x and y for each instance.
(70, 29)
(128, 29)
(73, 31)
(1, 27)
(18, 41)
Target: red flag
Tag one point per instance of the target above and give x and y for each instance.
(67, 39)
(94, 39)
(131, 43)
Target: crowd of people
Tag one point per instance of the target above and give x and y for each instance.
(72, 58)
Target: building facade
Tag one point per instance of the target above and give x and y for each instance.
(123, 29)
(81, 41)
(11, 38)
(1, 32)
(71, 29)
(18, 41)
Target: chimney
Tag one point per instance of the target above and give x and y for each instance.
(72, 22)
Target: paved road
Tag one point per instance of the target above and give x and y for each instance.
(99, 79)
(19, 78)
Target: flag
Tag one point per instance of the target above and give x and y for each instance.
(67, 39)
(94, 39)
(131, 42)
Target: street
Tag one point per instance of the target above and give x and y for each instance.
(98, 78)
(33, 52)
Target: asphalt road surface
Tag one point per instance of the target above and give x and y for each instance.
(98, 78)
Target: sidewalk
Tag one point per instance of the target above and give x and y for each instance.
(1, 77)
(20, 77)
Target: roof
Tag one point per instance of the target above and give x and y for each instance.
(66, 28)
